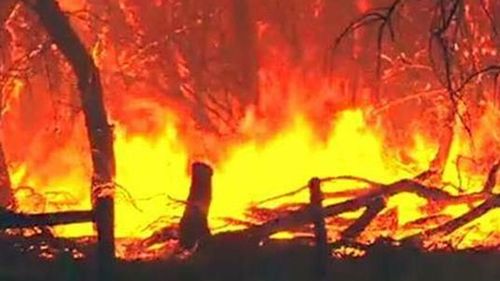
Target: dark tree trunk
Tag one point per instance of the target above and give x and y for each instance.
(194, 223)
(6, 196)
(99, 131)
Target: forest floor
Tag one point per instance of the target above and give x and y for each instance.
(286, 260)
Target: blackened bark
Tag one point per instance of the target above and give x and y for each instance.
(99, 131)
(194, 223)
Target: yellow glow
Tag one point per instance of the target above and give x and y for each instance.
(302, 127)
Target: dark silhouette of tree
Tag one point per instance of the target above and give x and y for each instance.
(99, 131)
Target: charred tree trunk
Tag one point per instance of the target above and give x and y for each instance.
(194, 224)
(6, 196)
(99, 131)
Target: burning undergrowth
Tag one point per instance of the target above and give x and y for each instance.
(397, 117)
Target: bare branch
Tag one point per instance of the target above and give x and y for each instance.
(381, 15)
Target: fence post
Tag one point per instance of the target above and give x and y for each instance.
(316, 207)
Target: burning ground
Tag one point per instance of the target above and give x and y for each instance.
(393, 105)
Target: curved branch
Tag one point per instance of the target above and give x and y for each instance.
(382, 15)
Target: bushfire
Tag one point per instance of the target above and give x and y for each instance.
(365, 95)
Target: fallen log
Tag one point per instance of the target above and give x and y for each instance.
(303, 216)
(366, 218)
(18, 220)
(492, 201)
(372, 199)
(475, 213)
